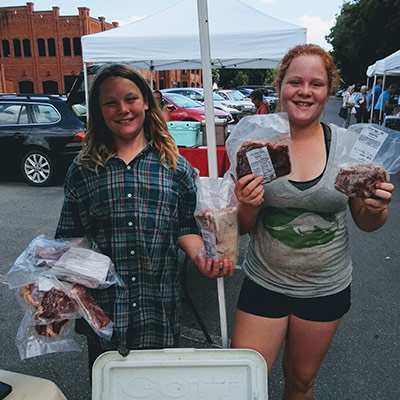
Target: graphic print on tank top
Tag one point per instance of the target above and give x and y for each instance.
(298, 228)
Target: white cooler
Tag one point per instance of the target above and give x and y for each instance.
(184, 374)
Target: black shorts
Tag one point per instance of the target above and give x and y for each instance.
(256, 300)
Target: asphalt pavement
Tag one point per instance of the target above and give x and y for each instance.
(363, 362)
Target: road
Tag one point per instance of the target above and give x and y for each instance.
(362, 363)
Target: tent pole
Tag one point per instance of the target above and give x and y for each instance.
(373, 98)
(202, 13)
(382, 106)
(151, 75)
(85, 80)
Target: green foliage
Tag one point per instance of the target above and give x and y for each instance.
(215, 75)
(365, 31)
(241, 78)
(230, 78)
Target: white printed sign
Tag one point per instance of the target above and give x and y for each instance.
(367, 145)
(261, 164)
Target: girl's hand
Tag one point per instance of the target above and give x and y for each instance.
(217, 269)
(380, 201)
(249, 190)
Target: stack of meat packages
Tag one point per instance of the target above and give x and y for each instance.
(60, 274)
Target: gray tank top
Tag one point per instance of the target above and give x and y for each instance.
(299, 245)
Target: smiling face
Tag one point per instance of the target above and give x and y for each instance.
(304, 90)
(123, 109)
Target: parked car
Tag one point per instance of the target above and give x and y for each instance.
(39, 134)
(183, 108)
(271, 100)
(237, 96)
(219, 102)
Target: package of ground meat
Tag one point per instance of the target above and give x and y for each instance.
(76, 260)
(370, 153)
(260, 145)
(217, 215)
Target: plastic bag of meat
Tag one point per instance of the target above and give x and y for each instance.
(74, 260)
(217, 215)
(369, 154)
(48, 301)
(260, 144)
(34, 340)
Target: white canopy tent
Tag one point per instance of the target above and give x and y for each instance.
(224, 34)
(240, 37)
(388, 66)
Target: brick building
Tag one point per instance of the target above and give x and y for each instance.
(40, 51)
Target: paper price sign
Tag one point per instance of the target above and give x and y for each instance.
(261, 164)
(368, 144)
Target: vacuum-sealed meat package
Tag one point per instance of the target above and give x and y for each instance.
(359, 180)
(260, 145)
(370, 153)
(76, 260)
(217, 215)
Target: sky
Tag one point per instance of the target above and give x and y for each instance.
(318, 16)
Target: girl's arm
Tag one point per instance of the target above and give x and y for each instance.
(249, 192)
(193, 246)
(371, 213)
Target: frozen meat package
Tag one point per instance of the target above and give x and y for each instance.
(370, 153)
(261, 145)
(217, 215)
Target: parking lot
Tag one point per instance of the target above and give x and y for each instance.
(362, 363)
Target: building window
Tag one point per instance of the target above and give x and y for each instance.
(50, 87)
(67, 46)
(17, 48)
(41, 47)
(26, 87)
(26, 43)
(51, 45)
(77, 46)
(6, 47)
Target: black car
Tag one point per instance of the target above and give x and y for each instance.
(39, 134)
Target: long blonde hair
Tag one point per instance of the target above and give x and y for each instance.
(98, 146)
(307, 50)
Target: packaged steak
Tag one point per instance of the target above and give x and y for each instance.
(369, 154)
(359, 180)
(217, 216)
(260, 145)
(263, 158)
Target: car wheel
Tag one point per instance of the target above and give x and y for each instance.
(37, 168)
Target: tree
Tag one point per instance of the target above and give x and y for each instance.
(365, 31)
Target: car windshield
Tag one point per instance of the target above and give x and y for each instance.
(183, 101)
(236, 95)
(217, 97)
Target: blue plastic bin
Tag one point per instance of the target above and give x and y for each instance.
(185, 133)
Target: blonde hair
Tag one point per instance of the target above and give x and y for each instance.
(308, 50)
(98, 146)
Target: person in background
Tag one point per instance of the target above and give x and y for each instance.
(361, 106)
(257, 98)
(131, 191)
(377, 91)
(297, 267)
(383, 106)
(158, 97)
(349, 103)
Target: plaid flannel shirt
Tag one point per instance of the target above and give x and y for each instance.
(135, 213)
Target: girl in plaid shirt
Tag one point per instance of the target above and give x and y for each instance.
(135, 195)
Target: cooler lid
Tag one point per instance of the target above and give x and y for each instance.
(184, 374)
